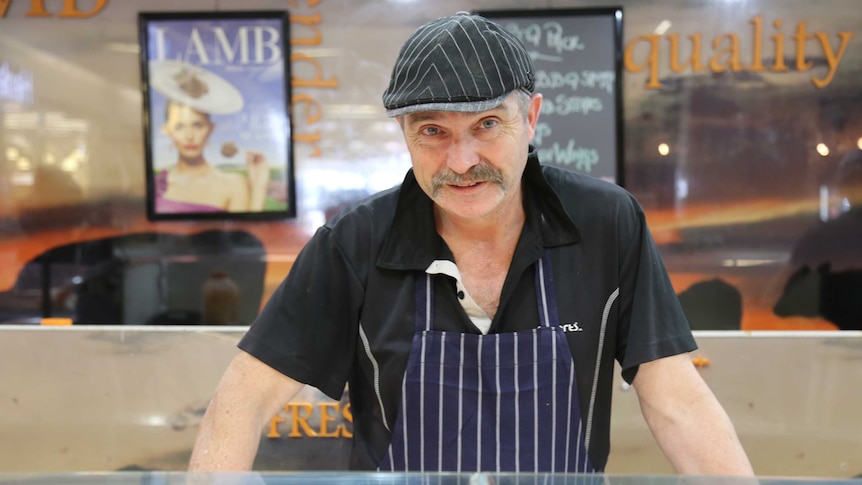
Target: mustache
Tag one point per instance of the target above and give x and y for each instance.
(483, 172)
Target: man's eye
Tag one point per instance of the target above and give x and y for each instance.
(430, 130)
(489, 123)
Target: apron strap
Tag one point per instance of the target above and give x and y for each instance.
(545, 295)
(424, 302)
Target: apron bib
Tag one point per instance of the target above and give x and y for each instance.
(499, 402)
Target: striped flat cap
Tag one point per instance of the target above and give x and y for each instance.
(462, 63)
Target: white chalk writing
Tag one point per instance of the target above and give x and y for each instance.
(549, 34)
(564, 105)
(599, 79)
(579, 158)
(603, 80)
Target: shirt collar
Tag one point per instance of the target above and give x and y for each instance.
(412, 242)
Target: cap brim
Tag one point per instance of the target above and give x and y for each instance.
(458, 107)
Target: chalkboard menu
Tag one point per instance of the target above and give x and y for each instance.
(578, 59)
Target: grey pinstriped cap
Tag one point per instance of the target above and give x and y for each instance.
(462, 63)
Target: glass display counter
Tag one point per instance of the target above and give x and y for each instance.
(127, 398)
(372, 478)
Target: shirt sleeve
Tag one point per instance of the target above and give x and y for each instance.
(308, 328)
(653, 324)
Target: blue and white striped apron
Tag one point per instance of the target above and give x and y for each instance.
(500, 402)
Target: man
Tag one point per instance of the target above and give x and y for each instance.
(477, 309)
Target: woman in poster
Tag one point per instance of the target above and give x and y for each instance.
(191, 184)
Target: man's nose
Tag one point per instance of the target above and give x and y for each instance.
(462, 154)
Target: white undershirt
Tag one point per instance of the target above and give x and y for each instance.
(478, 316)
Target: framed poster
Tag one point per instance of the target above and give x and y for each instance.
(578, 57)
(217, 127)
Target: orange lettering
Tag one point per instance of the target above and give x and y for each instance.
(800, 38)
(348, 416)
(313, 111)
(326, 418)
(652, 59)
(37, 9)
(757, 54)
(694, 59)
(71, 10)
(726, 52)
(310, 21)
(312, 138)
(832, 58)
(732, 52)
(318, 81)
(778, 39)
(300, 421)
(273, 426)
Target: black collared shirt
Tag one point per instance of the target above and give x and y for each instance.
(345, 313)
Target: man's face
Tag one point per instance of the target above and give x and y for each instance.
(470, 164)
(188, 129)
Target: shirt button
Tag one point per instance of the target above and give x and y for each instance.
(460, 295)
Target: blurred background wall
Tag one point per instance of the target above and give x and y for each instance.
(741, 123)
(742, 134)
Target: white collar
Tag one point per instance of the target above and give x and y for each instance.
(478, 316)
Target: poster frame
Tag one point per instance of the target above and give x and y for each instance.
(273, 199)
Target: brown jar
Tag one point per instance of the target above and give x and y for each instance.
(220, 300)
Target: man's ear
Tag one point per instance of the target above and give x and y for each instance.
(533, 112)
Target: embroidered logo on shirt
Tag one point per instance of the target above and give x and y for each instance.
(571, 327)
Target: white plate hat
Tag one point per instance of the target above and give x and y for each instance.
(211, 93)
